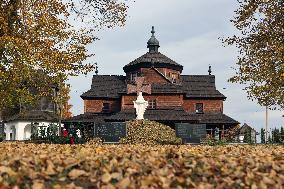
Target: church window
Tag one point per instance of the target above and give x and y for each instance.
(133, 76)
(169, 74)
(152, 104)
(199, 108)
(106, 107)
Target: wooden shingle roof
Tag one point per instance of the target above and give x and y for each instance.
(213, 118)
(193, 86)
(200, 86)
(34, 115)
(245, 128)
(175, 115)
(155, 115)
(106, 86)
(153, 59)
(88, 117)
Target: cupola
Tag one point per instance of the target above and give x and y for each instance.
(153, 43)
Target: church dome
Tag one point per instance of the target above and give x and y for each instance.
(152, 42)
(153, 58)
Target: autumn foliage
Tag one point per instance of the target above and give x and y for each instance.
(141, 166)
(260, 64)
(149, 132)
(50, 38)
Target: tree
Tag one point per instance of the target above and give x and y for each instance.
(66, 107)
(38, 38)
(260, 64)
(276, 136)
(262, 135)
(272, 136)
(269, 140)
(282, 134)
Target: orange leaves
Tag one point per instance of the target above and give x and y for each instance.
(50, 170)
(149, 132)
(260, 62)
(124, 183)
(38, 36)
(106, 178)
(76, 173)
(141, 166)
(8, 170)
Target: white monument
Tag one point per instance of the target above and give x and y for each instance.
(140, 105)
(78, 133)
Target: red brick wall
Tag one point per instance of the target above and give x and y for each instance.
(97, 105)
(208, 105)
(168, 72)
(161, 100)
(151, 76)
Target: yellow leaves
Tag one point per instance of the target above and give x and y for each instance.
(38, 185)
(106, 178)
(268, 181)
(149, 132)
(260, 60)
(124, 183)
(50, 168)
(76, 173)
(141, 166)
(38, 36)
(8, 170)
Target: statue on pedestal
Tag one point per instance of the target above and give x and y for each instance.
(78, 133)
(216, 134)
(140, 104)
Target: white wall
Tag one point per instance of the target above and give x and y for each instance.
(21, 132)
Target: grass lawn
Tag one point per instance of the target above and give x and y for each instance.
(140, 166)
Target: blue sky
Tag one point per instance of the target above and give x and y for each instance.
(189, 32)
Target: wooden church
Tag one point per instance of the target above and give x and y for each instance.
(174, 97)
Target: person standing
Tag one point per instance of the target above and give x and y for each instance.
(72, 140)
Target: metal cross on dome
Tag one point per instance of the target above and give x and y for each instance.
(138, 87)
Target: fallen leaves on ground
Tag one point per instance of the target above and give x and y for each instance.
(140, 166)
(149, 132)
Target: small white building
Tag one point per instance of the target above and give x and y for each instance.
(19, 126)
(243, 130)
